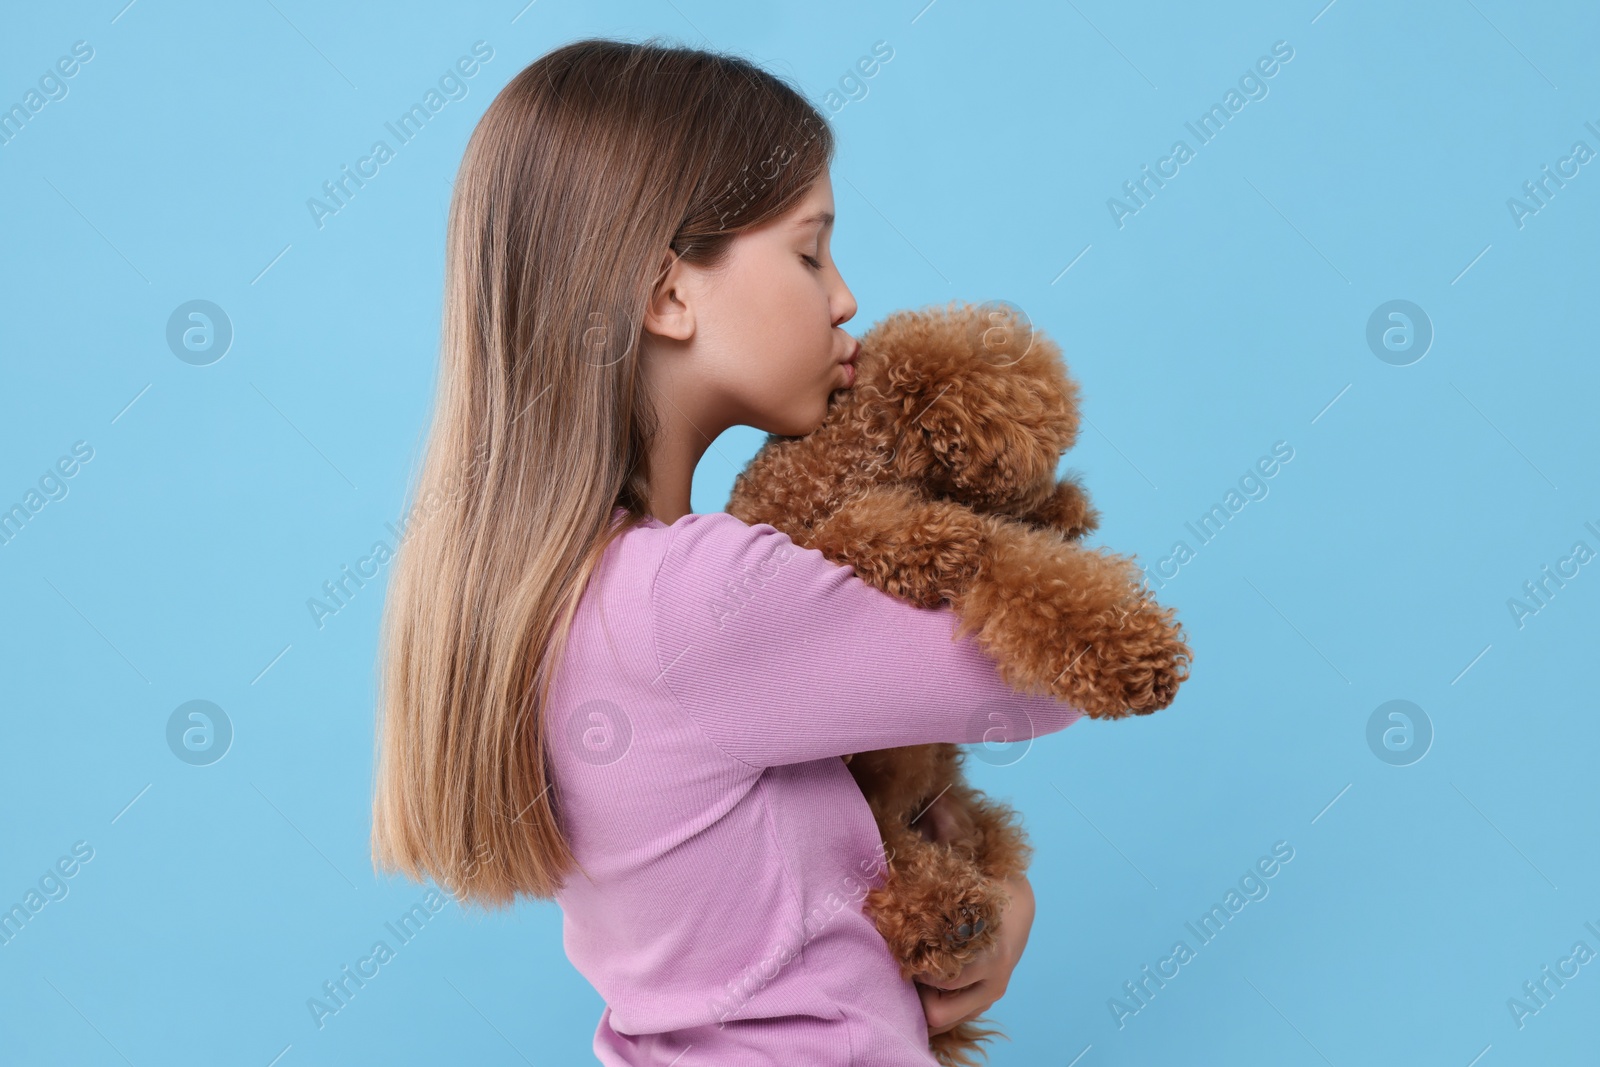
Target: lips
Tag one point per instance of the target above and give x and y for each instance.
(849, 363)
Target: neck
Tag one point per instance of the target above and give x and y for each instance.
(674, 455)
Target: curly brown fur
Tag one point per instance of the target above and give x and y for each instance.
(934, 477)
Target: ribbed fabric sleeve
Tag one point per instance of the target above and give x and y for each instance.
(780, 655)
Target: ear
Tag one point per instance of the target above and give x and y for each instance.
(669, 311)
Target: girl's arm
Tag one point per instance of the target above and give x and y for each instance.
(782, 656)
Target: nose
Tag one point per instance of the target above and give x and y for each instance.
(844, 304)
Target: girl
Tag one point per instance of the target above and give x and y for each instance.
(592, 695)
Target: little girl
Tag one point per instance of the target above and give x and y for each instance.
(590, 694)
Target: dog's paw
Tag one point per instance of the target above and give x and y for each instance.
(958, 934)
(1134, 667)
(1067, 511)
(946, 940)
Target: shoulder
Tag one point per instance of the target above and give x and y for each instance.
(710, 544)
(716, 532)
(715, 563)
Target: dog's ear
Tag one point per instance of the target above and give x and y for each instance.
(976, 403)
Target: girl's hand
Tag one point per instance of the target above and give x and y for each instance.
(984, 980)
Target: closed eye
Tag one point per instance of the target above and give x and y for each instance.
(812, 262)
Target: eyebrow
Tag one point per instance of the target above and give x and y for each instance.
(824, 217)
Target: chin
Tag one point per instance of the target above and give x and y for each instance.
(828, 404)
(800, 424)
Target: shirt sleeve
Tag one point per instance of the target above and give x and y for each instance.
(781, 655)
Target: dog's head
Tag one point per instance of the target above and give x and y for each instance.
(970, 401)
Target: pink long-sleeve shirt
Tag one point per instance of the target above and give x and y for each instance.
(714, 675)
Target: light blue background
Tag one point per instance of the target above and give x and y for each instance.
(1228, 314)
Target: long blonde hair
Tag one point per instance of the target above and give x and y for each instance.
(587, 170)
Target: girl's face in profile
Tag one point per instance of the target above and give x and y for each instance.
(766, 328)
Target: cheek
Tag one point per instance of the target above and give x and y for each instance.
(755, 297)
(773, 324)
(782, 316)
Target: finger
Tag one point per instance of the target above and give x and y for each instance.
(933, 1008)
(980, 968)
(949, 1018)
(947, 1027)
(946, 1010)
